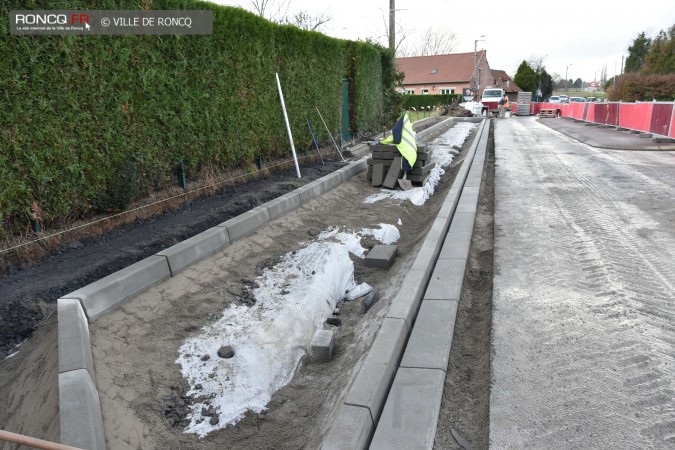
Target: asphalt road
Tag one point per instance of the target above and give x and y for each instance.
(583, 331)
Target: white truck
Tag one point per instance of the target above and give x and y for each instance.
(490, 100)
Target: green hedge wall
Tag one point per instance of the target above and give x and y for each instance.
(417, 101)
(89, 123)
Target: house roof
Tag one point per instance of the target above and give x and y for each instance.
(450, 68)
(504, 81)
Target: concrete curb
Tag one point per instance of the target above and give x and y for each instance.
(373, 381)
(80, 414)
(410, 415)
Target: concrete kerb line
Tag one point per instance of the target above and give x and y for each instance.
(404, 307)
(81, 419)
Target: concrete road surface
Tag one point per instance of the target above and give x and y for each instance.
(584, 293)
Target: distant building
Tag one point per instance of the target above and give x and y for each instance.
(452, 74)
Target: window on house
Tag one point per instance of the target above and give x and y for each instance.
(433, 71)
(410, 91)
(448, 91)
(425, 91)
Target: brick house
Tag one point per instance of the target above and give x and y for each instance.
(451, 74)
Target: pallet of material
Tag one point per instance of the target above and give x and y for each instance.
(548, 113)
(384, 156)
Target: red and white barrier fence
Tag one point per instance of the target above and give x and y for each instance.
(649, 117)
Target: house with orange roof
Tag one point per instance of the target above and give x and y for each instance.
(452, 74)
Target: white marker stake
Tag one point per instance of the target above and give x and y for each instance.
(288, 125)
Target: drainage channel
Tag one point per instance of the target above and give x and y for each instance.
(395, 399)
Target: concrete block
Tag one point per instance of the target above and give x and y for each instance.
(73, 341)
(245, 224)
(462, 222)
(370, 300)
(283, 204)
(310, 191)
(431, 246)
(372, 383)
(422, 170)
(407, 301)
(645, 135)
(380, 256)
(468, 200)
(474, 179)
(107, 294)
(450, 203)
(360, 165)
(456, 246)
(81, 423)
(393, 174)
(331, 181)
(431, 338)
(348, 171)
(410, 416)
(446, 280)
(321, 348)
(352, 429)
(196, 248)
(378, 175)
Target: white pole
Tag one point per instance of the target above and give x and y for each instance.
(288, 125)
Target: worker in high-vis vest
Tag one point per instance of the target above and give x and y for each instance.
(404, 137)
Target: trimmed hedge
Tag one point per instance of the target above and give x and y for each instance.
(636, 87)
(417, 101)
(84, 117)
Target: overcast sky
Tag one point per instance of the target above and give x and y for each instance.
(580, 38)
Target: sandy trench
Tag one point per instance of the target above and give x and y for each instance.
(141, 387)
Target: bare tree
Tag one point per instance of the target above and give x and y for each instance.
(306, 21)
(433, 41)
(272, 10)
(400, 33)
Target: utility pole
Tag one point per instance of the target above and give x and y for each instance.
(392, 25)
(474, 84)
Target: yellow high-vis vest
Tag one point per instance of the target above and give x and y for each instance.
(404, 137)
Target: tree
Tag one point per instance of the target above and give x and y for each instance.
(545, 83)
(305, 21)
(272, 10)
(526, 77)
(578, 83)
(661, 56)
(637, 53)
(433, 41)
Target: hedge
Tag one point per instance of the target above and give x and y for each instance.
(418, 101)
(85, 117)
(637, 87)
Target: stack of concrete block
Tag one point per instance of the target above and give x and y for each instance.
(384, 167)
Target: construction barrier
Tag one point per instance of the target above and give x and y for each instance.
(657, 118)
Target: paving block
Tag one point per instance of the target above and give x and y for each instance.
(361, 165)
(393, 174)
(368, 302)
(456, 246)
(245, 224)
(410, 416)
(450, 203)
(431, 338)
(107, 294)
(468, 200)
(422, 170)
(352, 429)
(321, 348)
(372, 383)
(81, 423)
(380, 256)
(431, 247)
(462, 222)
(446, 280)
(474, 179)
(348, 171)
(331, 181)
(196, 248)
(74, 345)
(310, 191)
(378, 175)
(407, 301)
(283, 204)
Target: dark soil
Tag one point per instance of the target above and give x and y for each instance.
(28, 293)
